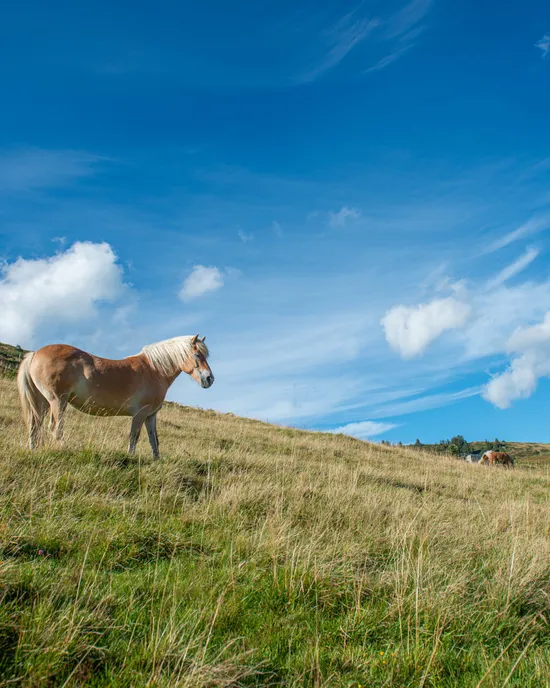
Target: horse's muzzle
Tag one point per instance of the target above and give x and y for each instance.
(207, 381)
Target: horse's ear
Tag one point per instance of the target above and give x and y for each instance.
(194, 340)
(202, 339)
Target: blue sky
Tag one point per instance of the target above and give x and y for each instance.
(351, 200)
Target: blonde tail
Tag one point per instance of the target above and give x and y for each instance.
(33, 403)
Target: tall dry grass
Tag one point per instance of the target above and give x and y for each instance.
(256, 555)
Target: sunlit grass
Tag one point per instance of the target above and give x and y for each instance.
(260, 556)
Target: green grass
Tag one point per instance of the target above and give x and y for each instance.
(259, 556)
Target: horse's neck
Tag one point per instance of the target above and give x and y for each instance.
(166, 380)
(172, 378)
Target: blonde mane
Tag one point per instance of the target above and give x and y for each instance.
(168, 357)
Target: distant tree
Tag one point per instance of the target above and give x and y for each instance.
(453, 449)
(497, 444)
(400, 444)
(461, 443)
(418, 443)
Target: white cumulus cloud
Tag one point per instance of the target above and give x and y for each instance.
(409, 330)
(530, 349)
(363, 429)
(544, 45)
(343, 216)
(61, 289)
(200, 281)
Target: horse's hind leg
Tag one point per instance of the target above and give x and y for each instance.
(151, 425)
(58, 406)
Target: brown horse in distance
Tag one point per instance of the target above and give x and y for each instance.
(136, 386)
(495, 458)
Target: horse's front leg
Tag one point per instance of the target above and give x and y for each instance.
(137, 424)
(151, 425)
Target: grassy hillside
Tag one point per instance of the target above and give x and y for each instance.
(10, 357)
(259, 556)
(530, 453)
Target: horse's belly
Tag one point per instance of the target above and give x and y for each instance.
(97, 410)
(96, 402)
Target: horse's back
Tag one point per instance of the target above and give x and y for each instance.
(60, 352)
(58, 357)
(95, 385)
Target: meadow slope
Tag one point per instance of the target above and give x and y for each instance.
(252, 555)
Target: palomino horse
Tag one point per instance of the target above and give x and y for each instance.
(58, 374)
(494, 458)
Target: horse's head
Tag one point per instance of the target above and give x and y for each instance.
(196, 364)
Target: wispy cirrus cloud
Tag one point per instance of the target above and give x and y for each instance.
(401, 32)
(28, 169)
(388, 59)
(532, 226)
(514, 268)
(284, 373)
(363, 429)
(348, 32)
(405, 20)
(388, 36)
(424, 403)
